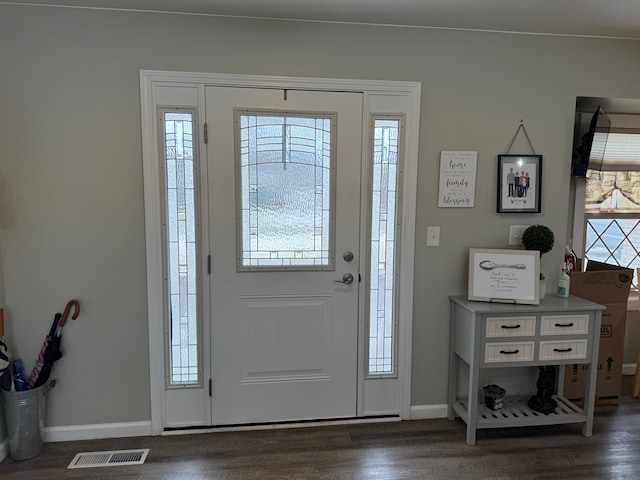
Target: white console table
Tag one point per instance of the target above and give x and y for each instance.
(484, 335)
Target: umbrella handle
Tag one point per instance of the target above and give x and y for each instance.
(67, 309)
(49, 386)
(1, 322)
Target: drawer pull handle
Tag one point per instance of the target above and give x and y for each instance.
(504, 352)
(563, 350)
(564, 325)
(510, 326)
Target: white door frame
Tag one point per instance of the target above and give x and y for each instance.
(150, 80)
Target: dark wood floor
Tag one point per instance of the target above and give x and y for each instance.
(418, 449)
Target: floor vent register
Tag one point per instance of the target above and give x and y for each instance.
(109, 458)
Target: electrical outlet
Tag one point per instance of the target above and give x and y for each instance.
(515, 234)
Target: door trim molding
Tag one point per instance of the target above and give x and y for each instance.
(149, 79)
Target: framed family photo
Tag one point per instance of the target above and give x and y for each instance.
(519, 183)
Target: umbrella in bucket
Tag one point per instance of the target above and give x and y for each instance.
(5, 358)
(52, 353)
(40, 362)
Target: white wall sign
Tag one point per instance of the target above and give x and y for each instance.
(504, 275)
(457, 179)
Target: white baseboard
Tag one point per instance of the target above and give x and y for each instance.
(96, 431)
(138, 429)
(421, 412)
(629, 369)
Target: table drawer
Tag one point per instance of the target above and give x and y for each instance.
(563, 350)
(506, 352)
(564, 325)
(510, 327)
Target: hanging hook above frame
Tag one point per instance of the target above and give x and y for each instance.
(521, 127)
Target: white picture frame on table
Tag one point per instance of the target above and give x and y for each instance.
(505, 276)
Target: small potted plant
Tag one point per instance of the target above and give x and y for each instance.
(540, 238)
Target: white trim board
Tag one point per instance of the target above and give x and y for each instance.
(425, 412)
(97, 431)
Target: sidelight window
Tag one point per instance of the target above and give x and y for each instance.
(179, 167)
(385, 217)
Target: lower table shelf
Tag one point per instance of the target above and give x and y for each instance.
(516, 413)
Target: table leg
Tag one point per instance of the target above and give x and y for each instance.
(472, 404)
(590, 388)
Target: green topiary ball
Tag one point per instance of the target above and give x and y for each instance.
(538, 237)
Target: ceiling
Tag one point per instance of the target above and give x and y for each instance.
(597, 18)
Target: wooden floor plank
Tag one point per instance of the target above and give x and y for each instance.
(419, 449)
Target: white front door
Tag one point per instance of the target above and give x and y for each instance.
(284, 171)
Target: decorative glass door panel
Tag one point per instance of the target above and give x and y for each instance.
(285, 182)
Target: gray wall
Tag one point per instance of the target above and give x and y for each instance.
(71, 211)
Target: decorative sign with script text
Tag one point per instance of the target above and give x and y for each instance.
(457, 179)
(511, 276)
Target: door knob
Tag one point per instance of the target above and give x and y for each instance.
(348, 256)
(347, 278)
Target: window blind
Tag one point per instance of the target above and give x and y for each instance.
(622, 152)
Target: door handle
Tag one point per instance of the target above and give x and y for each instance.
(347, 278)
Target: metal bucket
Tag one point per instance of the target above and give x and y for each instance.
(24, 413)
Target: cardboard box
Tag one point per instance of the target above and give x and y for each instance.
(607, 285)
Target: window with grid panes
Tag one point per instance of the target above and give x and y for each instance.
(612, 206)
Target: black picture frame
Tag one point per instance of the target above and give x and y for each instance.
(526, 195)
